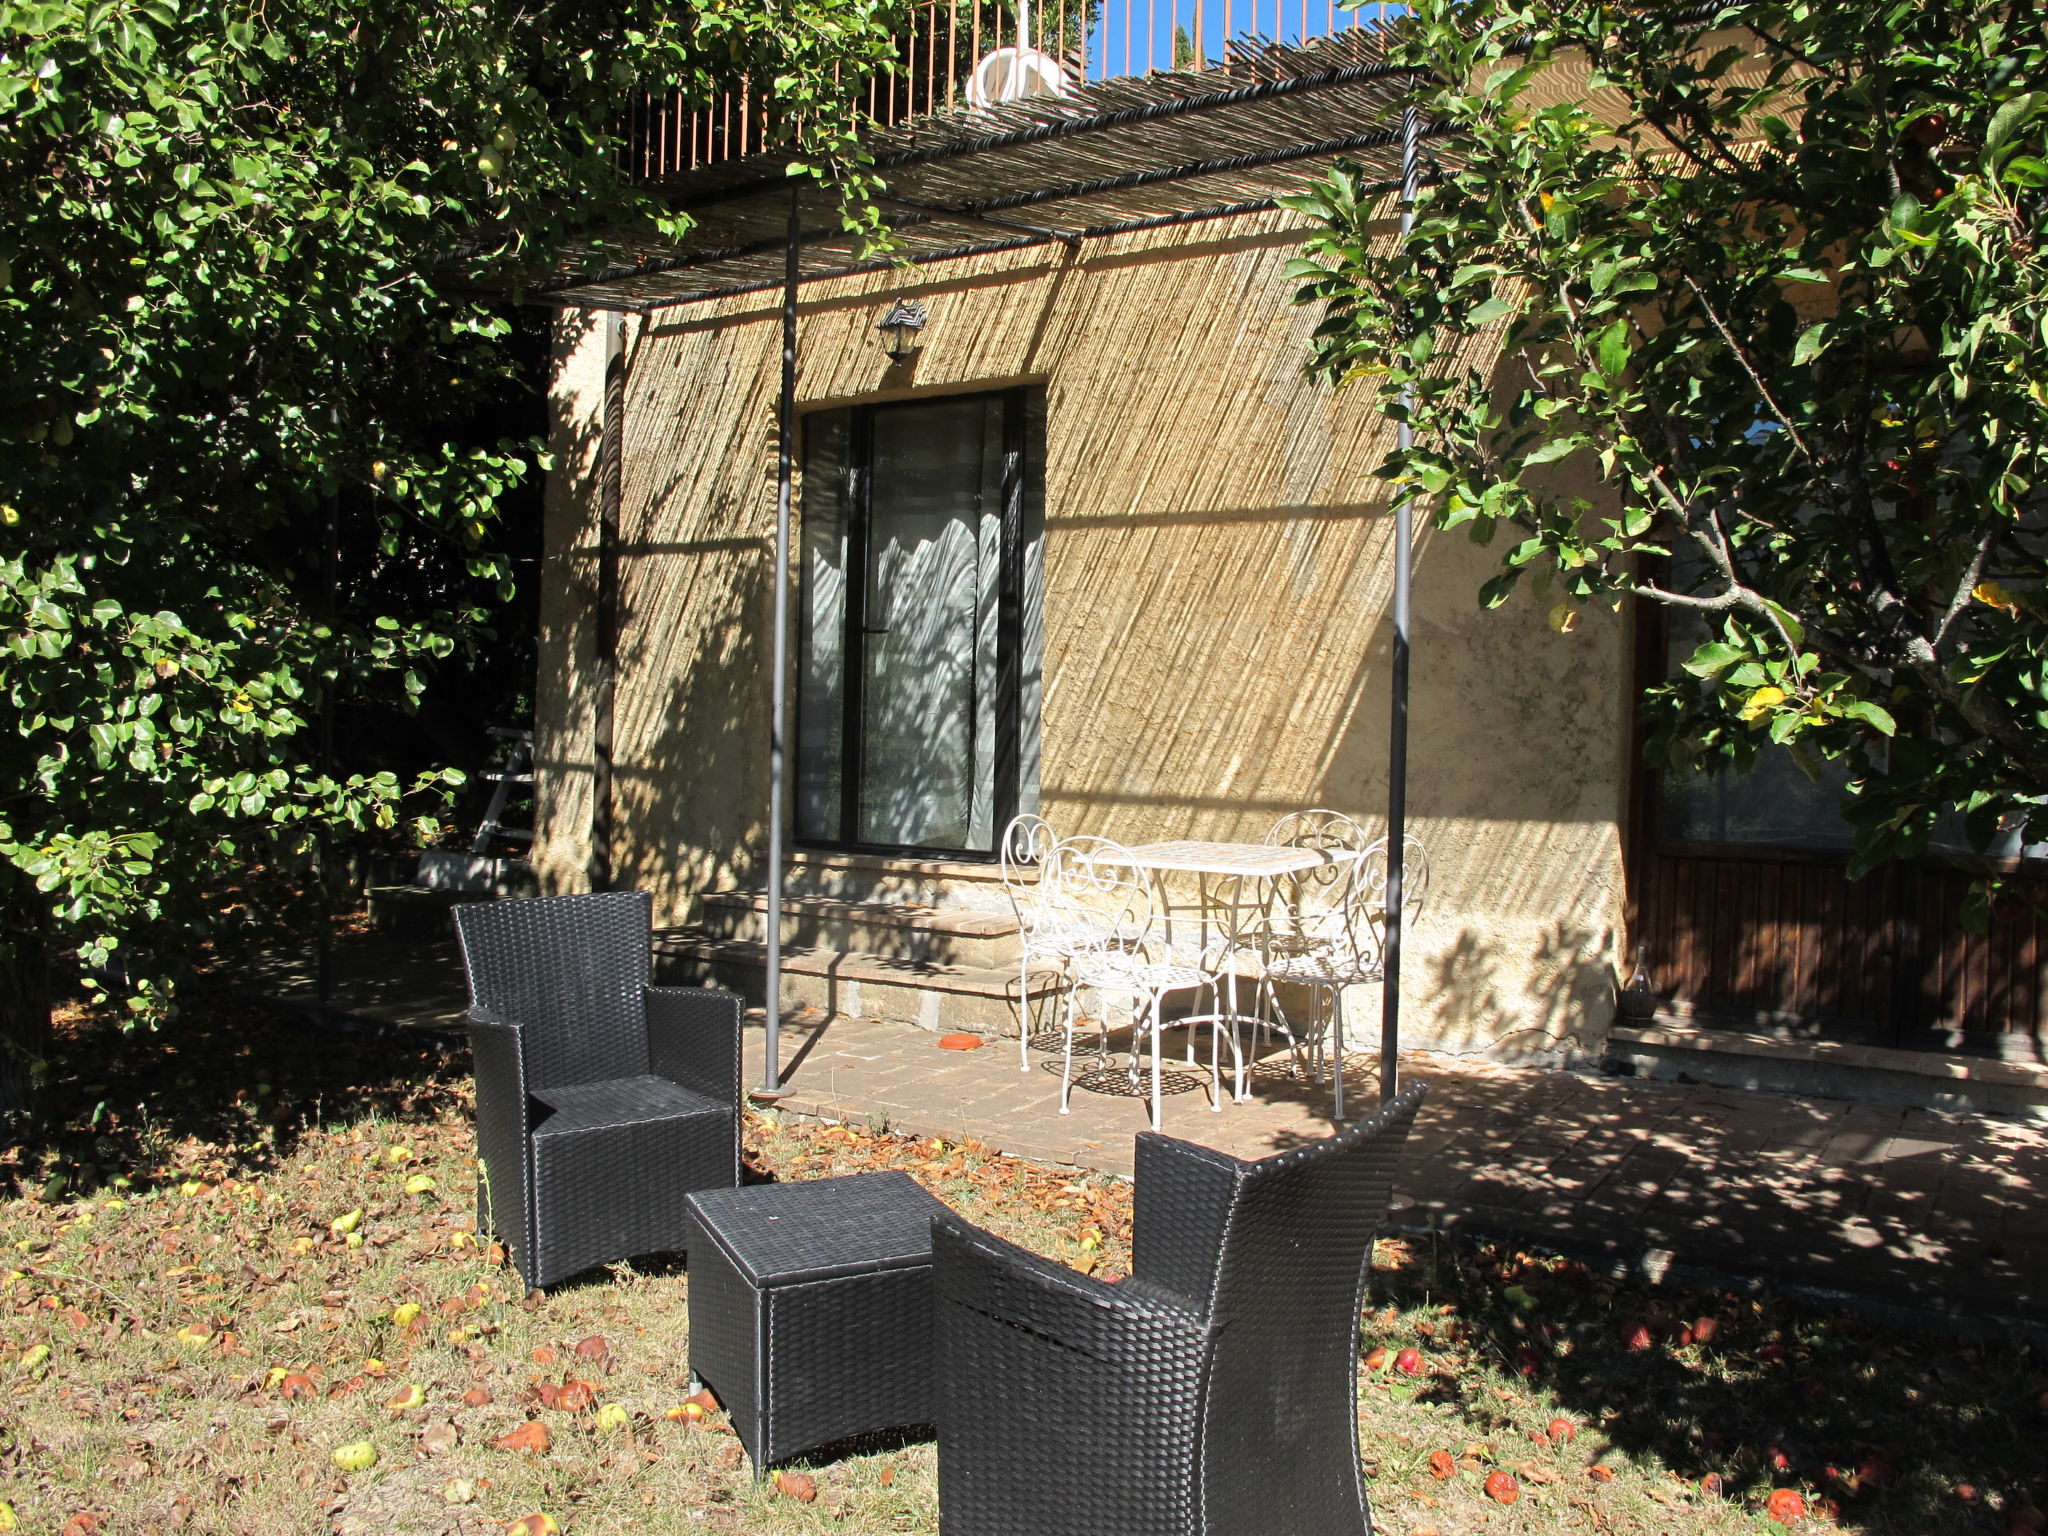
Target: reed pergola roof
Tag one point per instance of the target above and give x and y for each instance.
(1113, 156)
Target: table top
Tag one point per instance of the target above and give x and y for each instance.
(1260, 860)
(819, 1229)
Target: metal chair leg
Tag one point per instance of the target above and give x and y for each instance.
(1337, 1052)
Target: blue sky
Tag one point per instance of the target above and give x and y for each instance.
(1142, 30)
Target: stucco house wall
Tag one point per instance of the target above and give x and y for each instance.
(1216, 608)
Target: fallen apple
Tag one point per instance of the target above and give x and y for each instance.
(1377, 1359)
(476, 1397)
(612, 1417)
(1639, 1338)
(342, 1225)
(1601, 1474)
(800, 1486)
(1711, 1485)
(1785, 1506)
(535, 1524)
(395, 1155)
(8, 1521)
(530, 1437)
(1409, 1362)
(419, 1184)
(592, 1348)
(575, 1396)
(358, 1457)
(297, 1384)
(404, 1313)
(411, 1397)
(1561, 1430)
(1442, 1465)
(1704, 1329)
(1502, 1488)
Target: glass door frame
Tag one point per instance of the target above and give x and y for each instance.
(854, 631)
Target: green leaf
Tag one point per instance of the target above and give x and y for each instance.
(1612, 346)
(1714, 657)
(1550, 451)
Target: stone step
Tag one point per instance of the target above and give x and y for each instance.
(1671, 1047)
(899, 930)
(974, 999)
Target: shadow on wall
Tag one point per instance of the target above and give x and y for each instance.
(568, 598)
(1569, 988)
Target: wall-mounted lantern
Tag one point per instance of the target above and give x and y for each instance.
(900, 327)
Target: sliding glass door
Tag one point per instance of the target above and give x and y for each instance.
(919, 647)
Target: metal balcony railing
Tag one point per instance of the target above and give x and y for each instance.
(943, 40)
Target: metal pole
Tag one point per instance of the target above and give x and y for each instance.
(1397, 729)
(605, 621)
(785, 467)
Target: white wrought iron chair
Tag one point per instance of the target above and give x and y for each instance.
(1031, 882)
(1333, 936)
(1345, 839)
(1110, 915)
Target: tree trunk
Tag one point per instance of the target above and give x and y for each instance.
(24, 992)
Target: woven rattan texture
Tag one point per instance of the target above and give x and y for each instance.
(781, 1232)
(1066, 1408)
(590, 1134)
(802, 1362)
(846, 1356)
(1215, 1394)
(570, 969)
(504, 1198)
(725, 1336)
(615, 1192)
(622, 1101)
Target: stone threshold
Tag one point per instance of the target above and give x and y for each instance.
(897, 864)
(1671, 1035)
(857, 965)
(892, 914)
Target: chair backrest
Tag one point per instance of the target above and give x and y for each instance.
(1371, 879)
(1290, 1281)
(1331, 831)
(1024, 853)
(1099, 898)
(570, 969)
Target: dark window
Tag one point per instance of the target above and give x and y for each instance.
(920, 637)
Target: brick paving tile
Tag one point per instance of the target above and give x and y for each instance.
(1924, 1203)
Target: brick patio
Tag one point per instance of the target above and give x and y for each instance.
(1913, 1208)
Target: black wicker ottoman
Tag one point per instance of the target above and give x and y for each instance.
(811, 1309)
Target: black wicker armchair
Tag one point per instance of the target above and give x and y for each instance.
(1213, 1393)
(601, 1101)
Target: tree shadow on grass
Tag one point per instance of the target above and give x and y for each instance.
(227, 1089)
(1887, 1430)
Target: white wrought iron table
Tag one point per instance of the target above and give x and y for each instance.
(1238, 865)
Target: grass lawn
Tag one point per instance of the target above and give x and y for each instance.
(228, 1260)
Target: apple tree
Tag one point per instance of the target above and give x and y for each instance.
(1777, 274)
(254, 267)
